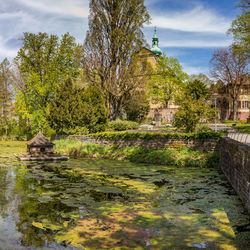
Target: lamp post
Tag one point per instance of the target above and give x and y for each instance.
(215, 99)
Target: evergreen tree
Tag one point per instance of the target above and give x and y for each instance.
(74, 108)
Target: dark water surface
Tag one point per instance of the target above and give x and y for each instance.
(103, 204)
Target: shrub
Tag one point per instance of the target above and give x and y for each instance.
(203, 128)
(123, 125)
(157, 136)
(184, 157)
(76, 131)
(150, 156)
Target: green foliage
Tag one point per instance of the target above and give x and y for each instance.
(75, 131)
(111, 60)
(182, 157)
(241, 125)
(168, 78)
(123, 125)
(156, 136)
(45, 62)
(241, 29)
(77, 111)
(203, 128)
(188, 115)
(137, 106)
(197, 90)
(203, 78)
(146, 155)
(96, 114)
(6, 96)
(193, 106)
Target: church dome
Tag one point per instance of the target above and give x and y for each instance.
(155, 42)
(156, 50)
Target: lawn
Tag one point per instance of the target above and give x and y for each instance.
(9, 148)
(241, 126)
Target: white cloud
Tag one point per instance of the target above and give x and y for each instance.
(197, 19)
(194, 70)
(75, 8)
(189, 43)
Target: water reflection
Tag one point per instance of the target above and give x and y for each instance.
(94, 204)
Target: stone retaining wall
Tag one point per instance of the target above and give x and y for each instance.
(211, 144)
(235, 163)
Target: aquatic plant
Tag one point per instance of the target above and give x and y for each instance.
(179, 156)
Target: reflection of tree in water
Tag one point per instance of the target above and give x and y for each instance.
(122, 205)
(40, 215)
(5, 198)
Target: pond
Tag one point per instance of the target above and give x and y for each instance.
(103, 204)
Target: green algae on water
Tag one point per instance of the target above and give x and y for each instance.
(104, 204)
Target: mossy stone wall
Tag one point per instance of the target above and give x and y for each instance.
(204, 145)
(235, 163)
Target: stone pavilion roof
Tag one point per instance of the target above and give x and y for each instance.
(39, 141)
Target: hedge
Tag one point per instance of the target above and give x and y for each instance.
(157, 136)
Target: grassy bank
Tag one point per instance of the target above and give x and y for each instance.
(9, 148)
(181, 157)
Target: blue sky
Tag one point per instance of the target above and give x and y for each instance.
(189, 30)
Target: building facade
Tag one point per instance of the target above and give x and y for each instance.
(151, 56)
(225, 103)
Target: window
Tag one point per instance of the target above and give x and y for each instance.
(245, 104)
(239, 104)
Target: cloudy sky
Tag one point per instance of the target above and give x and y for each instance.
(189, 30)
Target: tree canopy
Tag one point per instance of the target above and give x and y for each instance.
(232, 70)
(6, 94)
(111, 45)
(45, 62)
(240, 28)
(167, 78)
(74, 108)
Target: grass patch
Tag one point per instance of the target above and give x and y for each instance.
(182, 157)
(241, 126)
(9, 148)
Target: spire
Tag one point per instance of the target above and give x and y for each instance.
(155, 43)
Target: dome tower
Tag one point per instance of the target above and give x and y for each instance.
(155, 43)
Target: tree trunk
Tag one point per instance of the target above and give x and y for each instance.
(235, 110)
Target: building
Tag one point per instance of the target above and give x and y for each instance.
(225, 105)
(151, 56)
(40, 144)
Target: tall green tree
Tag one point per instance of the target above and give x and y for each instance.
(197, 90)
(6, 94)
(111, 45)
(193, 105)
(167, 79)
(74, 108)
(240, 28)
(45, 62)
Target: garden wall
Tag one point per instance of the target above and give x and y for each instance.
(235, 163)
(208, 144)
